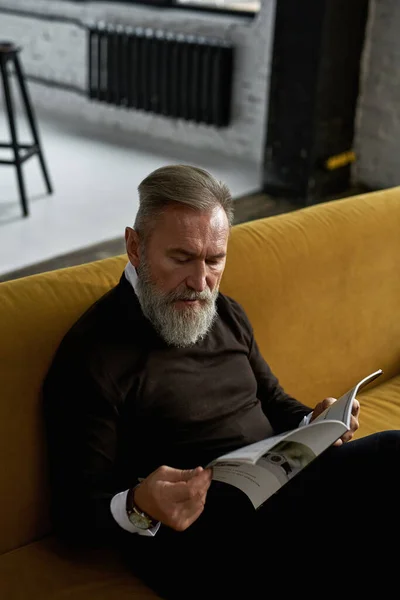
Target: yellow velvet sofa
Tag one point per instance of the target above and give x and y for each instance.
(322, 288)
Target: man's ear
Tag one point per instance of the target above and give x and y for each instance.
(132, 246)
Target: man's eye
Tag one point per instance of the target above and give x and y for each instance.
(181, 260)
(213, 261)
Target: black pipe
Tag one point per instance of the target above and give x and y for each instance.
(56, 84)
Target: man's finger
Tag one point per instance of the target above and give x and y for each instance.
(321, 406)
(200, 483)
(346, 437)
(187, 491)
(188, 514)
(355, 409)
(354, 424)
(176, 475)
(328, 401)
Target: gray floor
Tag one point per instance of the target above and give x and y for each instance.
(95, 175)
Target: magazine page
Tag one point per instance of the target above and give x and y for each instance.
(282, 457)
(259, 484)
(251, 453)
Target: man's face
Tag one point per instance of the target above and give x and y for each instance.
(179, 271)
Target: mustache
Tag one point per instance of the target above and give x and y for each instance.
(186, 294)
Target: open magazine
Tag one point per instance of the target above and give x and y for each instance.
(261, 469)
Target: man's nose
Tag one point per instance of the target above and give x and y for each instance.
(197, 279)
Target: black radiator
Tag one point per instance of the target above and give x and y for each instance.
(178, 76)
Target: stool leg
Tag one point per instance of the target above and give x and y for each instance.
(32, 121)
(13, 132)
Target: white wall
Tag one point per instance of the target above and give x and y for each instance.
(58, 51)
(377, 140)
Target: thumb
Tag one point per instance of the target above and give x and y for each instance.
(188, 474)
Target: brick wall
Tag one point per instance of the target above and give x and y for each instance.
(58, 51)
(377, 140)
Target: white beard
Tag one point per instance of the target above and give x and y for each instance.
(178, 327)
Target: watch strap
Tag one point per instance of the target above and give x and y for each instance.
(133, 509)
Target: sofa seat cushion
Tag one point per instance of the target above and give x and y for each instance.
(380, 407)
(48, 571)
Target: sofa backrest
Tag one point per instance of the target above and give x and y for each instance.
(321, 286)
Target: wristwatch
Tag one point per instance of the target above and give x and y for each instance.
(137, 517)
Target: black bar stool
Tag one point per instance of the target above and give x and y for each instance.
(9, 54)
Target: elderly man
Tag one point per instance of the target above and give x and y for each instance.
(162, 375)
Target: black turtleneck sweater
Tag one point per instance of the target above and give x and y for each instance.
(119, 402)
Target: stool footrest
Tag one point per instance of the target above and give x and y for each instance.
(32, 149)
(9, 145)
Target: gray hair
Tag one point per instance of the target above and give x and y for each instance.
(181, 184)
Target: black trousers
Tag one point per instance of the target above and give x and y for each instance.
(335, 524)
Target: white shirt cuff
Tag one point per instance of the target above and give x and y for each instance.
(118, 510)
(305, 420)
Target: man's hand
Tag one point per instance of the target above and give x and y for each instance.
(173, 496)
(354, 424)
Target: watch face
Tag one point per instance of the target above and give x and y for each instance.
(140, 521)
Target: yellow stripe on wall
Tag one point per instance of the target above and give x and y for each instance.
(340, 160)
